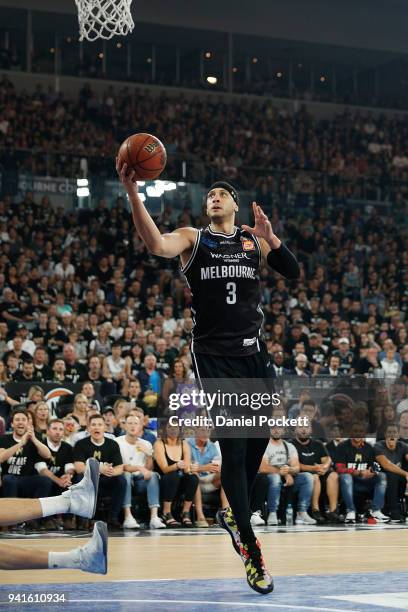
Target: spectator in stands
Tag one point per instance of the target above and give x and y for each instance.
(390, 365)
(392, 454)
(75, 370)
(41, 369)
(137, 455)
(42, 417)
(388, 417)
(206, 463)
(27, 372)
(277, 364)
(345, 355)
(147, 433)
(71, 427)
(301, 368)
(88, 390)
(315, 460)
(111, 482)
(115, 367)
(81, 407)
(335, 439)
(21, 458)
(355, 460)
(333, 369)
(60, 371)
(111, 422)
(310, 410)
(59, 468)
(403, 426)
(173, 461)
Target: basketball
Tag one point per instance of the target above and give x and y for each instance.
(145, 154)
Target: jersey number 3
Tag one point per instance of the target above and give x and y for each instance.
(232, 293)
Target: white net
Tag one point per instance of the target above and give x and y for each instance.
(104, 18)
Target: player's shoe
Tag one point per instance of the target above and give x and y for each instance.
(226, 520)
(93, 557)
(82, 496)
(258, 577)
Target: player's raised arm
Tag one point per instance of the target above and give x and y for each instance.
(164, 245)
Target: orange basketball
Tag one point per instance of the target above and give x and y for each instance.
(144, 154)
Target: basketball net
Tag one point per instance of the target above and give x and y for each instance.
(104, 18)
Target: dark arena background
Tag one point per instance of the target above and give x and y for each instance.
(302, 106)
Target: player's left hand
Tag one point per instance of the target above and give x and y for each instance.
(262, 228)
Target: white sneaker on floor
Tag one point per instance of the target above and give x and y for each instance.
(130, 523)
(156, 523)
(82, 496)
(350, 517)
(302, 518)
(256, 519)
(93, 557)
(380, 517)
(272, 519)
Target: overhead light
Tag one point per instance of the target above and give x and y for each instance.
(166, 185)
(100, 55)
(154, 191)
(82, 182)
(279, 75)
(181, 184)
(254, 60)
(300, 65)
(52, 50)
(234, 69)
(212, 80)
(208, 54)
(82, 192)
(322, 78)
(69, 39)
(149, 60)
(119, 45)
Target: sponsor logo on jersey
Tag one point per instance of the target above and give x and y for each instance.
(249, 341)
(247, 244)
(229, 256)
(208, 242)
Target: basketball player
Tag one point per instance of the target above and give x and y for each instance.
(222, 264)
(79, 499)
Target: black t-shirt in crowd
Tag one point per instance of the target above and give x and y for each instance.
(108, 452)
(350, 457)
(60, 458)
(22, 463)
(396, 456)
(310, 453)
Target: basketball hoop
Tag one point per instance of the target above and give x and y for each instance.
(104, 18)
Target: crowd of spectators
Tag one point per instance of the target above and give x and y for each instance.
(84, 303)
(348, 156)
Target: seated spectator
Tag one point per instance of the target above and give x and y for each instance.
(115, 367)
(310, 410)
(88, 390)
(151, 382)
(345, 356)
(137, 455)
(368, 364)
(112, 483)
(71, 427)
(21, 458)
(314, 459)
(59, 468)
(42, 417)
(133, 392)
(277, 364)
(301, 368)
(173, 461)
(392, 454)
(333, 369)
(16, 348)
(95, 370)
(403, 426)
(60, 371)
(81, 406)
(335, 437)
(147, 432)
(27, 372)
(280, 468)
(355, 460)
(41, 369)
(111, 422)
(206, 463)
(390, 365)
(75, 370)
(101, 346)
(388, 417)
(35, 394)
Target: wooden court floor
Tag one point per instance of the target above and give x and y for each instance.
(210, 555)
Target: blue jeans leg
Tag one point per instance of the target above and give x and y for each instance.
(304, 488)
(346, 488)
(274, 491)
(153, 490)
(127, 502)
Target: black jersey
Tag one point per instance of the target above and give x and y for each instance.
(223, 275)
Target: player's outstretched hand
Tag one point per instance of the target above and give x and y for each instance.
(127, 176)
(262, 227)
